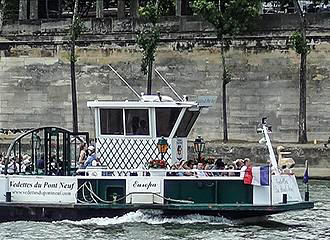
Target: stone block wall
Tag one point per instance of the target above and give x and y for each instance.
(35, 76)
(35, 87)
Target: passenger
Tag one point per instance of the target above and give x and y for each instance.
(238, 164)
(230, 167)
(26, 164)
(13, 166)
(210, 162)
(201, 172)
(208, 166)
(135, 124)
(91, 159)
(41, 162)
(175, 166)
(82, 155)
(247, 177)
(188, 165)
(218, 165)
(143, 128)
(52, 165)
(2, 163)
(245, 166)
(60, 164)
(184, 165)
(195, 166)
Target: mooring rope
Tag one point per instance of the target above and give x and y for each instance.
(93, 195)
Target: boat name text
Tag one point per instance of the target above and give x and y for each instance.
(148, 185)
(58, 185)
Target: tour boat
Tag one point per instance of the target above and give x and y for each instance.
(42, 180)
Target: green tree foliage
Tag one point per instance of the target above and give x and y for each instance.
(299, 43)
(231, 17)
(76, 28)
(148, 38)
(166, 7)
(150, 12)
(11, 8)
(84, 6)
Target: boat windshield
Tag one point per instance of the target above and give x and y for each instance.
(187, 122)
(112, 121)
(136, 122)
(165, 120)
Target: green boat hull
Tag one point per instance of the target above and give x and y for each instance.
(55, 212)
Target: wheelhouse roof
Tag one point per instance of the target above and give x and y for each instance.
(139, 104)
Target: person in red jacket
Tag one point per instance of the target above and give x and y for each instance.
(248, 173)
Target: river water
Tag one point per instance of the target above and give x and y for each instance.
(307, 224)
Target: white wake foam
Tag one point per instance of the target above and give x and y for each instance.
(152, 217)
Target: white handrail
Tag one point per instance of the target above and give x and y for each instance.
(157, 170)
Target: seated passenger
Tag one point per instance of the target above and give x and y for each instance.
(175, 166)
(143, 128)
(218, 165)
(91, 159)
(26, 164)
(135, 124)
(187, 165)
(210, 162)
(238, 164)
(12, 166)
(208, 166)
(230, 167)
(200, 173)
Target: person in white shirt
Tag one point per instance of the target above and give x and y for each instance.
(244, 167)
(201, 173)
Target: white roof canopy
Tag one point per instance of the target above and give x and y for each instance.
(138, 104)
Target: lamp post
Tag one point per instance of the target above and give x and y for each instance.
(162, 146)
(199, 146)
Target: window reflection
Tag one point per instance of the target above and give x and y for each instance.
(137, 122)
(187, 122)
(165, 120)
(111, 121)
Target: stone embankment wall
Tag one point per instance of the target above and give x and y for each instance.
(35, 74)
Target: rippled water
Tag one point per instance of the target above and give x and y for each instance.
(307, 224)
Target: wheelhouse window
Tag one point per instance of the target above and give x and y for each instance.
(137, 122)
(111, 121)
(187, 122)
(165, 120)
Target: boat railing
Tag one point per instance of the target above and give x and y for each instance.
(101, 171)
(46, 150)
